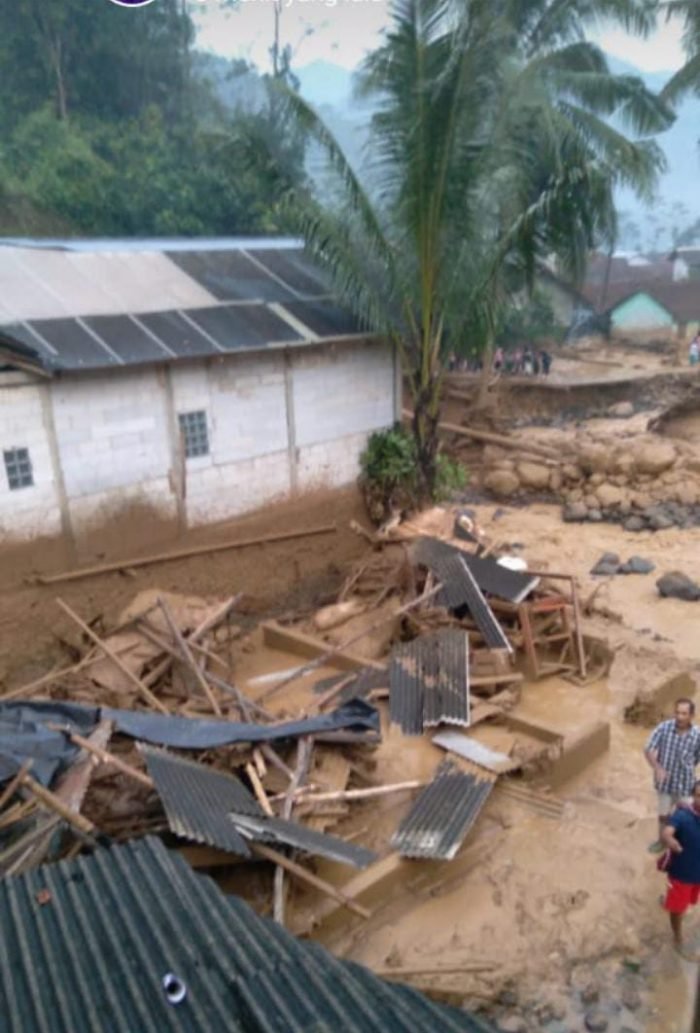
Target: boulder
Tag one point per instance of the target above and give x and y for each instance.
(594, 458)
(596, 479)
(658, 518)
(556, 481)
(595, 1022)
(609, 496)
(607, 565)
(590, 502)
(631, 998)
(572, 472)
(641, 500)
(677, 585)
(637, 565)
(655, 457)
(502, 482)
(533, 475)
(687, 494)
(635, 523)
(621, 411)
(623, 464)
(575, 513)
(512, 1024)
(595, 516)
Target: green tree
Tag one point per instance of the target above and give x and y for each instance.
(687, 78)
(493, 146)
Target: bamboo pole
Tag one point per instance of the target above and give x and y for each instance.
(436, 970)
(358, 794)
(306, 876)
(488, 437)
(12, 786)
(105, 757)
(53, 803)
(181, 554)
(258, 789)
(143, 689)
(305, 747)
(188, 658)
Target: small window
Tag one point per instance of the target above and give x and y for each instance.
(18, 467)
(193, 427)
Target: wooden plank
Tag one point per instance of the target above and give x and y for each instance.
(305, 747)
(306, 876)
(181, 554)
(144, 691)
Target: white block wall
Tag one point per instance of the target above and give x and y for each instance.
(117, 443)
(34, 511)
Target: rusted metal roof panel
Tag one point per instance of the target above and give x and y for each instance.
(442, 815)
(429, 681)
(130, 940)
(197, 800)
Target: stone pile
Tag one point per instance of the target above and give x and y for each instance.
(645, 482)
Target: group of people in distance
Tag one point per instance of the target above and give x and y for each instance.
(517, 362)
(673, 752)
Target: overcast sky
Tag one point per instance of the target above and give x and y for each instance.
(342, 31)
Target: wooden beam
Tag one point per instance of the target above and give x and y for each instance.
(144, 691)
(359, 794)
(181, 554)
(306, 876)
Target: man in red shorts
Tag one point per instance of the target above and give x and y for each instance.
(682, 836)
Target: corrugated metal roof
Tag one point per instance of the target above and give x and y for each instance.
(95, 957)
(197, 800)
(490, 576)
(442, 814)
(83, 307)
(208, 806)
(429, 681)
(460, 590)
(291, 833)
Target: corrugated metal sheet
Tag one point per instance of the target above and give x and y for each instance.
(460, 589)
(94, 956)
(198, 800)
(429, 681)
(291, 833)
(442, 815)
(78, 307)
(475, 752)
(490, 576)
(208, 806)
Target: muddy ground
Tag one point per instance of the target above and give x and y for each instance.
(566, 909)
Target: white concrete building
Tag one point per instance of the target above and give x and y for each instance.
(201, 378)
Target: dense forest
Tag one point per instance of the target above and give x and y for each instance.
(116, 126)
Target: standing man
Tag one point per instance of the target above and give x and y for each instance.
(682, 837)
(673, 752)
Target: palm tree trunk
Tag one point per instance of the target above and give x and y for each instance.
(426, 416)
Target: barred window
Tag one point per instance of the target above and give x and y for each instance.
(193, 427)
(18, 467)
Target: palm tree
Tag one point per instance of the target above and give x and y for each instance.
(491, 147)
(686, 78)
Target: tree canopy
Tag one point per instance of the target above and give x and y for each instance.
(112, 125)
(499, 138)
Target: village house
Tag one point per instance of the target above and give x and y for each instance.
(200, 379)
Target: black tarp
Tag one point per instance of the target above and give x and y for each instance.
(24, 735)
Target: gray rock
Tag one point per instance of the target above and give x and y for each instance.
(676, 585)
(508, 997)
(595, 1022)
(635, 523)
(631, 998)
(607, 565)
(659, 519)
(637, 565)
(575, 513)
(621, 411)
(595, 516)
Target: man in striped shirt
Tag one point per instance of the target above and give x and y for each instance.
(673, 752)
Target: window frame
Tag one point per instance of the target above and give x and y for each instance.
(19, 469)
(193, 426)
